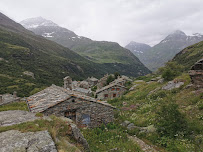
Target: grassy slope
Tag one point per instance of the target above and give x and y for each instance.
(190, 104)
(49, 62)
(189, 55)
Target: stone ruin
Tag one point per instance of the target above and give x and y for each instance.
(196, 74)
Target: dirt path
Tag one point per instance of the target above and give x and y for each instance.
(142, 144)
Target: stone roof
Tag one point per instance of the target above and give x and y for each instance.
(109, 86)
(53, 95)
(92, 79)
(82, 90)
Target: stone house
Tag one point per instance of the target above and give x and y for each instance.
(84, 110)
(92, 81)
(111, 91)
(87, 92)
(102, 82)
(121, 80)
(196, 74)
(84, 84)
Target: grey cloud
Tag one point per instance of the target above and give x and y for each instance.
(122, 21)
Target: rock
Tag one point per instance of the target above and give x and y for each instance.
(144, 147)
(79, 137)
(12, 117)
(131, 126)
(66, 120)
(124, 103)
(149, 129)
(125, 123)
(14, 140)
(137, 81)
(161, 80)
(153, 91)
(172, 85)
(189, 86)
(133, 87)
(28, 73)
(47, 118)
(154, 79)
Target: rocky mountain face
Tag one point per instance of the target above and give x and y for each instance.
(159, 54)
(52, 31)
(138, 49)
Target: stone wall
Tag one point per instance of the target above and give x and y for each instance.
(110, 93)
(87, 114)
(196, 74)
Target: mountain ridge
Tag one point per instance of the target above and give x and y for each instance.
(166, 49)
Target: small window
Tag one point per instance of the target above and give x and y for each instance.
(106, 95)
(73, 100)
(117, 89)
(85, 119)
(113, 89)
(114, 95)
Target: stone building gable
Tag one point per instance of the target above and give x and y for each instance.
(111, 91)
(113, 85)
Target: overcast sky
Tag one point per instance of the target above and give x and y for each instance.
(122, 21)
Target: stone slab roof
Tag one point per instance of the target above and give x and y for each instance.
(82, 90)
(93, 79)
(53, 95)
(110, 86)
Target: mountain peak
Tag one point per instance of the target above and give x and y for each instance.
(37, 21)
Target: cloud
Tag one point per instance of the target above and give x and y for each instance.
(122, 21)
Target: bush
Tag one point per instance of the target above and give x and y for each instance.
(171, 70)
(170, 122)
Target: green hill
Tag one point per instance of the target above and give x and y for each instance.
(188, 56)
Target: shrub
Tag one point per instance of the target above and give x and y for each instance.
(170, 122)
(171, 70)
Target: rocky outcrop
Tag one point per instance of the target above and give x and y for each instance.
(133, 87)
(79, 137)
(28, 73)
(172, 85)
(145, 147)
(14, 140)
(12, 117)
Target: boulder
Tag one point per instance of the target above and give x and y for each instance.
(131, 126)
(79, 137)
(172, 85)
(161, 80)
(133, 87)
(138, 81)
(12, 117)
(14, 140)
(125, 123)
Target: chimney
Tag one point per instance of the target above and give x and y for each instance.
(1, 98)
(15, 94)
